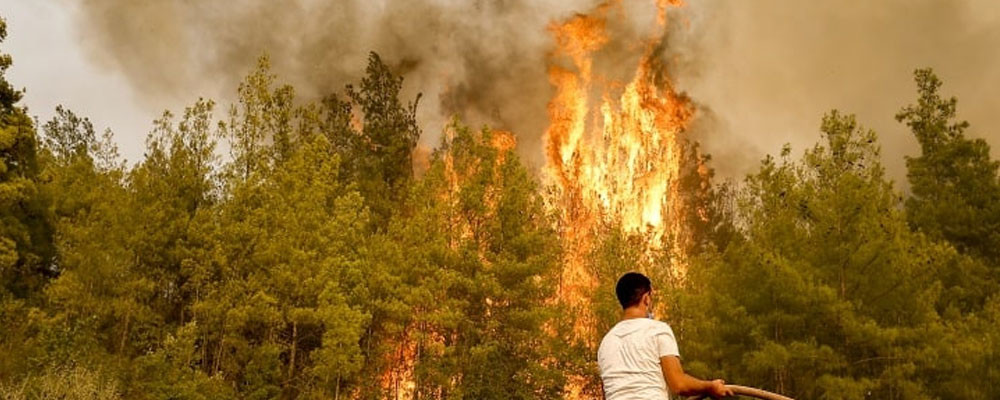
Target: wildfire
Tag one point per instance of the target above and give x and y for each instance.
(614, 154)
(616, 160)
(398, 380)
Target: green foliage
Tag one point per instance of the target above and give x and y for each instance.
(311, 263)
(259, 126)
(381, 153)
(481, 251)
(172, 371)
(827, 294)
(956, 190)
(25, 232)
(956, 197)
(172, 193)
(69, 137)
(99, 286)
(284, 247)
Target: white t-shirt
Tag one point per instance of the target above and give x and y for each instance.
(629, 359)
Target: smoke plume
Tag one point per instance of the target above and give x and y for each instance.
(766, 70)
(762, 73)
(483, 60)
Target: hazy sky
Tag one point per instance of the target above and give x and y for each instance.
(764, 71)
(50, 62)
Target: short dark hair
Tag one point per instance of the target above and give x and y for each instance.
(631, 287)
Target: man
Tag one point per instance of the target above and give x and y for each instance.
(639, 358)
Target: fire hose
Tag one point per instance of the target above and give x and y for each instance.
(748, 392)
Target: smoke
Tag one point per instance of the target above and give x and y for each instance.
(482, 60)
(767, 70)
(762, 73)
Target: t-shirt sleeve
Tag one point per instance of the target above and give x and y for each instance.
(666, 345)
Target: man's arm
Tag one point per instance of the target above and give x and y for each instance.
(687, 385)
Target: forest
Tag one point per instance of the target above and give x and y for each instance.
(282, 247)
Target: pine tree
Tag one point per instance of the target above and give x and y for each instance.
(98, 308)
(273, 294)
(826, 293)
(25, 231)
(381, 156)
(479, 272)
(171, 192)
(956, 189)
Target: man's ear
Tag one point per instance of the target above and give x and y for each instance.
(647, 299)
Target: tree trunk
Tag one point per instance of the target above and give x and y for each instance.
(218, 354)
(291, 360)
(121, 345)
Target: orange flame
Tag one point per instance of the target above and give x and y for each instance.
(398, 379)
(617, 160)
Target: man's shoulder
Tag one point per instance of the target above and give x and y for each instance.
(656, 322)
(645, 326)
(609, 335)
(659, 327)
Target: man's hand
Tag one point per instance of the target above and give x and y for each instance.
(718, 388)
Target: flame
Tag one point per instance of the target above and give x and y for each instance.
(398, 379)
(504, 142)
(614, 154)
(617, 160)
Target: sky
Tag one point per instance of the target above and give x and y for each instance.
(762, 72)
(51, 63)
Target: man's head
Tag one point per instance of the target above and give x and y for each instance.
(633, 289)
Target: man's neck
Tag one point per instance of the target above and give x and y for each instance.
(633, 312)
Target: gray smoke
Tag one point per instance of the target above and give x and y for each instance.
(761, 72)
(483, 60)
(769, 69)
